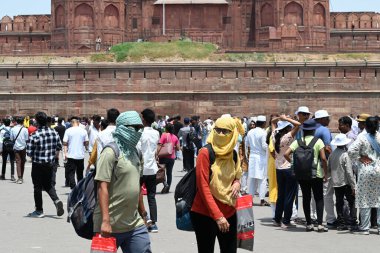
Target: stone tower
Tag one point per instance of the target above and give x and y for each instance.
(76, 24)
(292, 23)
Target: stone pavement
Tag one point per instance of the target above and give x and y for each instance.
(53, 234)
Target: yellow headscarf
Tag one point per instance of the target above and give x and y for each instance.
(224, 170)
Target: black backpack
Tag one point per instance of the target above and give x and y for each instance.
(190, 136)
(303, 160)
(9, 144)
(185, 191)
(82, 200)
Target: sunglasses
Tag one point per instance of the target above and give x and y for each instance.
(136, 127)
(222, 131)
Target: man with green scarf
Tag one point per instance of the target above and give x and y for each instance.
(116, 213)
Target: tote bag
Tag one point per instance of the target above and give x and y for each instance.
(166, 149)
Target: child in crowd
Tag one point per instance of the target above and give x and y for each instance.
(340, 167)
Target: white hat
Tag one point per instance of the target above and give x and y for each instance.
(321, 114)
(340, 140)
(303, 109)
(282, 124)
(226, 116)
(261, 118)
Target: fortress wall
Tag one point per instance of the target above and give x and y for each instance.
(204, 89)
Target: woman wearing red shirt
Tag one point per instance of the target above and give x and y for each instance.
(213, 213)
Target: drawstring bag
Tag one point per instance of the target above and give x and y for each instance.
(103, 244)
(245, 223)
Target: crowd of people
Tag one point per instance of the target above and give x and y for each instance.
(276, 156)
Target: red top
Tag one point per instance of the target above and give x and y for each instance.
(204, 203)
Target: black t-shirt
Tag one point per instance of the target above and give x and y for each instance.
(177, 126)
(61, 131)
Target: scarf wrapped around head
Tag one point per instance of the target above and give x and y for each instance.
(224, 170)
(127, 137)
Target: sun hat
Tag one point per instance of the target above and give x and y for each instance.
(261, 118)
(282, 124)
(363, 117)
(309, 125)
(340, 140)
(321, 114)
(303, 109)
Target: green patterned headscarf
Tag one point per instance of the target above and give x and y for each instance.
(127, 137)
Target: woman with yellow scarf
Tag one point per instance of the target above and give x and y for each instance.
(213, 213)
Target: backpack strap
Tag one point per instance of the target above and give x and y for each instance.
(313, 142)
(301, 143)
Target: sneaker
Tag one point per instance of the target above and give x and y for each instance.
(149, 222)
(2, 177)
(264, 203)
(13, 178)
(289, 225)
(19, 181)
(59, 206)
(276, 224)
(322, 229)
(342, 228)
(309, 228)
(361, 232)
(36, 214)
(153, 229)
(332, 225)
(165, 189)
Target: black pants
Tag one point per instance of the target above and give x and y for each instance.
(12, 161)
(340, 193)
(41, 177)
(206, 230)
(150, 184)
(74, 166)
(315, 185)
(169, 169)
(188, 159)
(287, 189)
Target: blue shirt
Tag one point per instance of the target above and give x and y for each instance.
(324, 134)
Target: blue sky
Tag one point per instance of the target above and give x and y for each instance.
(15, 7)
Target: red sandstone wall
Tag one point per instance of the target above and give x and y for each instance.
(207, 90)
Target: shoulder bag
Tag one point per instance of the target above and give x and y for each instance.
(166, 149)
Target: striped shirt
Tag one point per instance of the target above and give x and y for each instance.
(43, 144)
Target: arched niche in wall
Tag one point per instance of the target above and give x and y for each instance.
(376, 21)
(319, 15)
(18, 24)
(59, 17)
(43, 23)
(84, 16)
(267, 15)
(293, 14)
(341, 22)
(31, 23)
(111, 17)
(353, 21)
(6, 24)
(365, 22)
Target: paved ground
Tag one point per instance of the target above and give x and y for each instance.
(52, 234)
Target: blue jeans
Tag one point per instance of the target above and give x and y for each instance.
(287, 190)
(365, 218)
(135, 241)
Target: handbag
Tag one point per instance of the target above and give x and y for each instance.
(103, 244)
(161, 173)
(166, 149)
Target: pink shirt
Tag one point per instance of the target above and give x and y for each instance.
(166, 137)
(281, 162)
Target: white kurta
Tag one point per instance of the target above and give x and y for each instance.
(256, 142)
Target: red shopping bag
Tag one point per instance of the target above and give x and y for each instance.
(245, 223)
(144, 190)
(103, 244)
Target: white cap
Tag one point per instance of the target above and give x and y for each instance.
(340, 140)
(321, 114)
(261, 118)
(282, 124)
(226, 116)
(303, 109)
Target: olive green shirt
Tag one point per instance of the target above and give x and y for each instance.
(124, 190)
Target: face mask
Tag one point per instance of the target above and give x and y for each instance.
(221, 139)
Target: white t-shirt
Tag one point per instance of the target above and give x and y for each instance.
(148, 146)
(105, 137)
(75, 138)
(92, 135)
